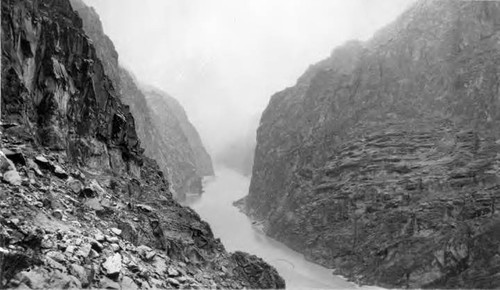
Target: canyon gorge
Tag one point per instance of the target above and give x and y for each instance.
(378, 167)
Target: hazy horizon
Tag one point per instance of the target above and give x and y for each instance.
(223, 59)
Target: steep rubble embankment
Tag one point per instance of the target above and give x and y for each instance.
(383, 160)
(80, 206)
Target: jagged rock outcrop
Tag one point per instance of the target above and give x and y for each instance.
(80, 206)
(105, 48)
(383, 161)
(187, 161)
(53, 85)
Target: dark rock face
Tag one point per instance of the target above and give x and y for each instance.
(179, 151)
(80, 206)
(383, 160)
(53, 84)
(123, 82)
(105, 48)
(256, 270)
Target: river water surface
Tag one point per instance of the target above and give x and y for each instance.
(237, 233)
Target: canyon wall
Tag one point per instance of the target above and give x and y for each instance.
(383, 161)
(177, 148)
(181, 144)
(81, 206)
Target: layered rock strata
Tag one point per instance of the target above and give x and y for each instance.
(383, 160)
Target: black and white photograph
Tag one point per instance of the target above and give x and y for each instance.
(250, 144)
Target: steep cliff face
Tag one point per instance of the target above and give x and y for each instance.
(122, 80)
(53, 84)
(80, 205)
(162, 104)
(157, 139)
(181, 143)
(104, 46)
(383, 160)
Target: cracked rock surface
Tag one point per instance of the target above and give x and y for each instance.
(383, 160)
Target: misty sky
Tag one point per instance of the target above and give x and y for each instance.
(223, 59)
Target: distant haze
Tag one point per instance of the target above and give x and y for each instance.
(223, 59)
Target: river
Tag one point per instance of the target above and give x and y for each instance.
(237, 233)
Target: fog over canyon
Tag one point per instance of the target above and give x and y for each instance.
(250, 144)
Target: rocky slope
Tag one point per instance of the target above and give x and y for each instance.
(179, 152)
(383, 161)
(80, 206)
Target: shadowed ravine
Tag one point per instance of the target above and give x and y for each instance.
(237, 233)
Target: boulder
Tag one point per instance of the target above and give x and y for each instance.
(31, 278)
(39, 278)
(54, 265)
(57, 256)
(116, 231)
(12, 177)
(94, 204)
(113, 266)
(129, 231)
(84, 250)
(107, 283)
(99, 237)
(146, 252)
(173, 282)
(172, 272)
(74, 185)
(43, 162)
(128, 283)
(59, 172)
(112, 239)
(80, 273)
(115, 247)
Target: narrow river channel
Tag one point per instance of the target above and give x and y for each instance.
(237, 233)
